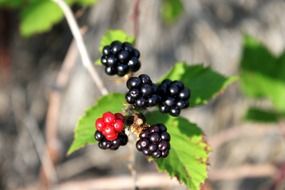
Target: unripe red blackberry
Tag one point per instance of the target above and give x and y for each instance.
(110, 131)
(120, 58)
(154, 141)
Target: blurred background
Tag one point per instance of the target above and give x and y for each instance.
(35, 42)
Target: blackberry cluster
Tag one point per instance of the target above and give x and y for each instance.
(174, 97)
(154, 141)
(120, 58)
(142, 92)
(103, 143)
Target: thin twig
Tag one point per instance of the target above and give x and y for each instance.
(145, 181)
(52, 147)
(55, 95)
(135, 18)
(132, 161)
(86, 61)
(155, 180)
(5, 54)
(26, 119)
(132, 154)
(243, 130)
(244, 171)
(279, 179)
(37, 139)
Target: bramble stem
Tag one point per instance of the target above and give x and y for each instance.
(86, 61)
(132, 158)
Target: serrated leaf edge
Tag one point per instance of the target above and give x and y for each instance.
(229, 80)
(70, 150)
(204, 144)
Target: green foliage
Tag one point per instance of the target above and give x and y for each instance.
(189, 152)
(39, 15)
(260, 115)
(263, 77)
(262, 73)
(113, 35)
(10, 3)
(84, 131)
(188, 156)
(86, 2)
(204, 83)
(171, 10)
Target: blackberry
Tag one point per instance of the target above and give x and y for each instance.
(142, 92)
(174, 97)
(120, 58)
(154, 141)
(103, 143)
(110, 131)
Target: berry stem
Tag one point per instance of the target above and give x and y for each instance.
(132, 160)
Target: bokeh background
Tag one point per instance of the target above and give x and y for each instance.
(245, 156)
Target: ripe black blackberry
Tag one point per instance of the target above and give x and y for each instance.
(174, 97)
(154, 141)
(103, 143)
(120, 58)
(142, 92)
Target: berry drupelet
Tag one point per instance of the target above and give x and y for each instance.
(154, 141)
(110, 131)
(174, 97)
(120, 58)
(103, 143)
(142, 92)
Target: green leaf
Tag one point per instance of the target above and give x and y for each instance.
(98, 62)
(11, 3)
(84, 131)
(189, 153)
(262, 73)
(39, 17)
(259, 86)
(113, 35)
(86, 2)
(260, 115)
(171, 10)
(204, 83)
